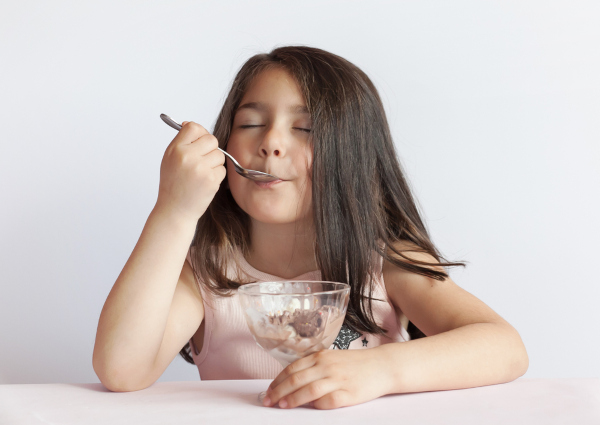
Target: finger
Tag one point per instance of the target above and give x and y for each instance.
(190, 132)
(291, 384)
(297, 366)
(205, 144)
(333, 400)
(311, 392)
(214, 159)
(221, 173)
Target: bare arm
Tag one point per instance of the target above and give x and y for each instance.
(468, 344)
(151, 310)
(154, 307)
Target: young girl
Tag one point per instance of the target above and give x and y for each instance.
(341, 211)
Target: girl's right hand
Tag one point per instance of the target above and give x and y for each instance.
(191, 172)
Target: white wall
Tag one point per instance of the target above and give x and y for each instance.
(494, 108)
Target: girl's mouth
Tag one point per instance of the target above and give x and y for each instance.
(266, 185)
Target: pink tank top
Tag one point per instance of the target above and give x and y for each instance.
(230, 352)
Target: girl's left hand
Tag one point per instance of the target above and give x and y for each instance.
(329, 379)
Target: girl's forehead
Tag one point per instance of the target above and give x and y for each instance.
(275, 86)
(297, 109)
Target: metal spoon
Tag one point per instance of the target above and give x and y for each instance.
(244, 172)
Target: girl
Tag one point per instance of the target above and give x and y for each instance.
(341, 211)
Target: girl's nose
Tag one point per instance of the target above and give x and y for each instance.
(265, 152)
(272, 144)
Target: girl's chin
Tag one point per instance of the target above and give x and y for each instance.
(275, 220)
(272, 217)
(267, 210)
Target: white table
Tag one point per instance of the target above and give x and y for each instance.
(524, 401)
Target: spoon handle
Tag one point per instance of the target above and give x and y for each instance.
(170, 122)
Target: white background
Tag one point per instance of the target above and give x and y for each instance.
(494, 108)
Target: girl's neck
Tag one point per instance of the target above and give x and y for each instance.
(284, 250)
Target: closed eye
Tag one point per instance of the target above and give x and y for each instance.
(306, 130)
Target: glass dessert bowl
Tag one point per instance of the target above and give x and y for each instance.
(292, 319)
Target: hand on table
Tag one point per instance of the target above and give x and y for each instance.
(330, 379)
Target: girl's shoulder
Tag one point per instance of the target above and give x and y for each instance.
(403, 286)
(411, 253)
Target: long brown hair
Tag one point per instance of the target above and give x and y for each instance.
(361, 201)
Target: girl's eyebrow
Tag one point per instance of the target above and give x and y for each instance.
(262, 107)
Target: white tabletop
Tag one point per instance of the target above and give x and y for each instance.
(524, 401)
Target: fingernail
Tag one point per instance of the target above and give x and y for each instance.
(266, 401)
(283, 404)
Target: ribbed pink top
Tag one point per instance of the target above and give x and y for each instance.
(229, 350)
